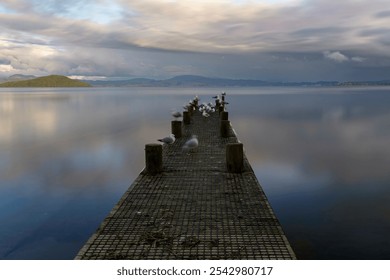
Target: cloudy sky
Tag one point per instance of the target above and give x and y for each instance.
(273, 40)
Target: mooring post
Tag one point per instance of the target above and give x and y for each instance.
(176, 128)
(190, 109)
(224, 116)
(186, 117)
(224, 128)
(235, 157)
(153, 158)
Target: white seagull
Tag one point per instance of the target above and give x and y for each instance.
(176, 114)
(191, 144)
(168, 140)
(205, 114)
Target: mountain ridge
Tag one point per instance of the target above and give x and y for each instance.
(201, 81)
(20, 80)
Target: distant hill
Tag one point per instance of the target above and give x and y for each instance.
(47, 81)
(200, 81)
(139, 82)
(179, 81)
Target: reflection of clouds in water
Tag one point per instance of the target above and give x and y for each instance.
(23, 116)
(76, 164)
(97, 157)
(43, 121)
(14, 127)
(100, 156)
(7, 105)
(6, 130)
(351, 150)
(283, 179)
(333, 114)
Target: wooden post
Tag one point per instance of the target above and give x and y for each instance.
(221, 108)
(186, 117)
(190, 109)
(176, 128)
(235, 157)
(224, 128)
(217, 103)
(153, 158)
(224, 116)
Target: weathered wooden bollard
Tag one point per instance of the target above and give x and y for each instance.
(224, 116)
(190, 109)
(153, 158)
(224, 128)
(235, 157)
(186, 117)
(176, 128)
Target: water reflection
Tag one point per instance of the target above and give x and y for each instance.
(323, 161)
(67, 156)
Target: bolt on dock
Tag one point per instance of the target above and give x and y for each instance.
(201, 204)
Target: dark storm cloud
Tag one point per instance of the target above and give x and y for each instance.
(383, 14)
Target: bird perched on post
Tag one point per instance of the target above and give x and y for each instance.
(191, 144)
(168, 140)
(176, 114)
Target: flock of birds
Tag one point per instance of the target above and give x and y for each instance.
(205, 108)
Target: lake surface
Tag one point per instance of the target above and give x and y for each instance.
(321, 154)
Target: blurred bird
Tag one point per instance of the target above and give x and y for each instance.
(168, 140)
(191, 144)
(176, 114)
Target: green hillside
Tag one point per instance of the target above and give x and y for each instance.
(47, 81)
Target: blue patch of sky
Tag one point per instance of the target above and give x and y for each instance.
(5, 10)
(98, 12)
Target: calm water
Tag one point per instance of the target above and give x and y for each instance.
(321, 155)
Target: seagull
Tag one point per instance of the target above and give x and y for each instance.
(176, 114)
(205, 114)
(168, 140)
(191, 144)
(217, 99)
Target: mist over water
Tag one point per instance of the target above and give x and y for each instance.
(321, 155)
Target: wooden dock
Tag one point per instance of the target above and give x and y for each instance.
(193, 209)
